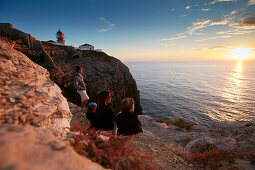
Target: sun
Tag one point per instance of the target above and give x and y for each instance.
(241, 53)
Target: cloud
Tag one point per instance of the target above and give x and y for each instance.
(219, 47)
(109, 25)
(251, 2)
(200, 40)
(180, 34)
(247, 23)
(207, 23)
(187, 7)
(174, 38)
(169, 45)
(207, 9)
(198, 25)
(233, 12)
(234, 32)
(211, 38)
(173, 9)
(223, 21)
(215, 1)
(104, 29)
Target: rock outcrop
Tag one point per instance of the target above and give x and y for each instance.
(7, 32)
(33, 111)
(170, 145)
(102, 72)
(27, 94)
(28, 147)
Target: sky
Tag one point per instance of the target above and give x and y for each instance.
(142, 30)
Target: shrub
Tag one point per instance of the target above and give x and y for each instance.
(212, 157)
(108, 150)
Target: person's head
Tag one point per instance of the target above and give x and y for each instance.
(79, 69)
(128, 104)
(91, 107)
(104, 97)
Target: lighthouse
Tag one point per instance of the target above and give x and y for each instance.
(60, 37)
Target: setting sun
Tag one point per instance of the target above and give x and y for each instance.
(241, 53)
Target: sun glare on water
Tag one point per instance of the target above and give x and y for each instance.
(241, 53)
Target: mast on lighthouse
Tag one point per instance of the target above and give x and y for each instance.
(60, 37)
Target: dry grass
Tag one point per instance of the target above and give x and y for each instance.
(212, 157)
(108, 150)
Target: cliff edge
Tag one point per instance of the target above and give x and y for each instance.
(101, 72)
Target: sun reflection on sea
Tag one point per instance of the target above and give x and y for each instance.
(232, 95)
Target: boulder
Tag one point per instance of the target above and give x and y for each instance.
(27, 94)
(28, 147)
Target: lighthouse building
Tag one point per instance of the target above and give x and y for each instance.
(60, 37)
(86, 47)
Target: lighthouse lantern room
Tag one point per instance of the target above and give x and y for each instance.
(60, 37)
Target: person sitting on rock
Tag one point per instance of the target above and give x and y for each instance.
(127, 121)
(80, 86)
(91, 109)
(104, 115)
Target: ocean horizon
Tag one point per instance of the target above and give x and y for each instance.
(198, 91)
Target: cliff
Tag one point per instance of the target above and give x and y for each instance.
(101, 72)
(33, 117)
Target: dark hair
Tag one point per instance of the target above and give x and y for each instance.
(127, 104)
(102, 96)
(78, 68)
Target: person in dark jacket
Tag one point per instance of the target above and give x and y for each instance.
(127, 121)
(104, 115)
(80, 86)
(91, 109)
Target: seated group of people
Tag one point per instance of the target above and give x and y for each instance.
(102, 117)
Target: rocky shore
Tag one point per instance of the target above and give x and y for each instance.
(171, 146)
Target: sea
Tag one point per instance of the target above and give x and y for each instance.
(198, 91)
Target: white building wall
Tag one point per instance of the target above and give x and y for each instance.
(86, 47)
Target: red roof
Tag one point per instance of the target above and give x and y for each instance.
(86, 45)
(59, 32)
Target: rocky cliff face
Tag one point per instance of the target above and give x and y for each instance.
(102, 72)
(32, 109)
(28, 96)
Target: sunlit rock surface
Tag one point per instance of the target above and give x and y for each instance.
(27, 94)
(28, 147)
